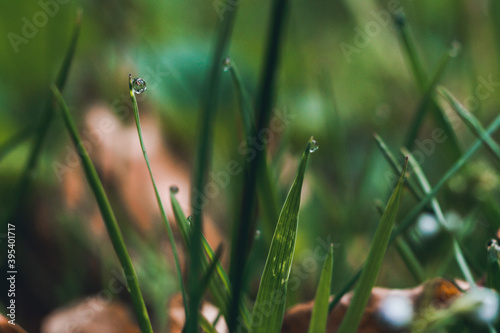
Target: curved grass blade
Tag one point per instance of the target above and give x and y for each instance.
(319, 315)
(219, 288)
(373, 263)
(269, 308)
(108, 216)
(472, 122)
(201, 166)
(426, 100)
(405, 223)
(157, 195)
(47, 116)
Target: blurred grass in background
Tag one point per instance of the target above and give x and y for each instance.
(340, 100)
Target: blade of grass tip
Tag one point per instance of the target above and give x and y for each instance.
(493, 265)
(265, 192)
(393, 162)
(421, 78)
(423, 106)
(157, 194)
(221, 292)
(108, 216)
(202, 163)
(319, 315)
(439, 214)
(269, 308)
(472, 122)
(406, 253)
(405, 223)
(373, 263)
(244, 228)
(15, 140)
(46, 120)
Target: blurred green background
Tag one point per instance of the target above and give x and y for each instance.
(341, 100)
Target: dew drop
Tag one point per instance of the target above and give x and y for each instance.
(139, 85)
(226, 63)
(313, 146)
(190, 219)
(174, 189)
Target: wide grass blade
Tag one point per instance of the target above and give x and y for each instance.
(373, 263)
(108, 216)
(472, 122)
(202, 163)
(319, 315)
(157, 195)
(47, 116)
(269, 308)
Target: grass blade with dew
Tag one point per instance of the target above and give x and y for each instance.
(266, 192)
(459, 256)
(221, 289)
(412, 215)
(406, 253)
(157, 194)
(244, 227)
(268, 311)
(472, 122)
(319, 315)
(493, 265)
(202, 163)
(47, 116)
(426, 100)
(373, 262)
(421, 78)
(108, 216)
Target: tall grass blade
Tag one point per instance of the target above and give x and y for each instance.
(319, 315)
(269, 308)
(472, 122)
(108, 216)
(244, 228)
(157, 195)
(47, 116)
(373, 263)
(202, 163)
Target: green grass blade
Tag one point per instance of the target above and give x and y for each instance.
(157, 195)
(472, 122)
(108, 216)
(47, 116)
(462, 263)
(202, 163)
(245, 225)
(373, 263)
(319, 315)
(426, 100)
(265, 191)
(220, 287)
(206, 325)
(493, 266)
(268, 311)
(406, 222)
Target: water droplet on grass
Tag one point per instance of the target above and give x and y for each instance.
(138, 85)
(174, 189)
(313, 146)
(190, 219)
(226, 63)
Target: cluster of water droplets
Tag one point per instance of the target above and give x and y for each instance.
(313, 146)
(138, 85)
